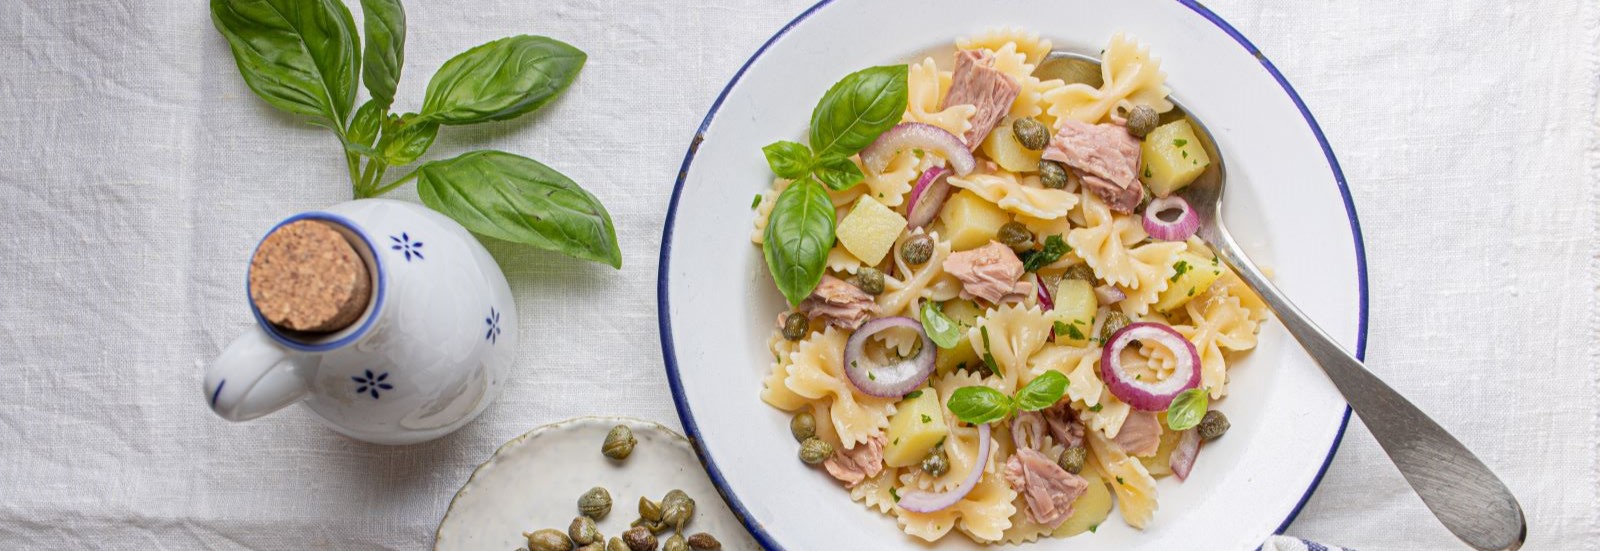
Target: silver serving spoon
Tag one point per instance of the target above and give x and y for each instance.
(1463, 493)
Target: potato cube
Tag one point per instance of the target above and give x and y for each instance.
(1194, 275)
(1074, 311)
(971, 221)
(869, 231)
(1089, 510)
(917, 426)
(1003, 148)
(1172, 157)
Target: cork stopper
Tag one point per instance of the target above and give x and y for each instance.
(306, 277)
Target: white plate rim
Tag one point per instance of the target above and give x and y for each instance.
(668, 353)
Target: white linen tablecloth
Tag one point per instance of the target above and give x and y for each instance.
(137, 171)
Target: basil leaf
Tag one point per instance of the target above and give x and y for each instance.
(1054, 247)
(939, 327)
(788, 159)
(384, 23)
(988, 358)
(798, 237)
(1043, 391)
(501, 80)
(1187, 409)
(515, 198)
(857, 109)
(366, 125)
(979, 404)
(839, 173)
(298, 55)
(408, 142)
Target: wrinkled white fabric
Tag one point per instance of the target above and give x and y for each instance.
(137, 171)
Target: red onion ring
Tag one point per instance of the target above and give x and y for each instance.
(1182, 458)
(1109, 294)
(892, 380)
(918, 501)
(1154, 395)
(1178, 229)
(916, 135)
(928, 197)
(1046, 300)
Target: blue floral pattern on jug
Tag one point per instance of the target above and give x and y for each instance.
(494, 326)
(406, 246)
(370, 384)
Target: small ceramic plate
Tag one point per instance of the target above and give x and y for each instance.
(1287, 205)
(534, 481)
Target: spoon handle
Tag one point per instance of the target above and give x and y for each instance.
(1463, 493)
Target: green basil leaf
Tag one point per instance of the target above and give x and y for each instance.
(857, 109)
(979, 404)
(1054, 247)
(988, 357)
(300, 56)
(408, 142)
(384, 22)
(798, 237)
(515, 198)
(788, 159)
(939, 327)
(501, 80)
(1043, 391)
(838, 173)
(366, 125)
(1187, 409)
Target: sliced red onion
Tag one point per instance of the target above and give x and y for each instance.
(1149, 395)
(918, 501)
(1109, 294)
(928, 197)
(1046, 301)
(1177, 229)
(1182, 458)
(916, 135)
(892, 380)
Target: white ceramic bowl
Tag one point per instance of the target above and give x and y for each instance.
(1286, 202)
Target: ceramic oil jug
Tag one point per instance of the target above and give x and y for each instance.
(421, 350)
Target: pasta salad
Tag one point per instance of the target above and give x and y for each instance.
(1001, 323)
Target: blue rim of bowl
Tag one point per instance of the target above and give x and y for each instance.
(373, 311)
(669, 355)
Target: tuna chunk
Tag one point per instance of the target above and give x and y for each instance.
(1105, 157)
(839, 303)
(1064, 426)
(990, 273)
(1140, 434)
(977, 83)
(855, 465)
(1048, 489)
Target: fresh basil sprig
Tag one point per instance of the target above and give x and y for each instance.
(981, 404)
(305, 57)
(850, 116)
(1187, 409)
(797, 239)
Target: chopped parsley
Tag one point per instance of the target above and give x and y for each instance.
(897, 441)
(894, 494)
(1119, 481)
(1184, 152)
(925, 419)
(873, 377)
(914, 394)
(988, 358)
(1054, 247)
(1180, 142)
(1095, 408)
(756, 202)
(1191, 291)
(1094, 527)
(1147, 171)
(1068, 330)
(1182, 267)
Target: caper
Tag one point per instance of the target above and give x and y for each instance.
(814, 451)
(676, 509)
(1115, 321)
(548, 539)
(803, 426)
(703, 541)
(595, 503)
(596, 546)
(1072, 459)
(870, 280)
(1052, 175)
(917, 250)
(649, 510)
(1016, 236)
(1141, 120)
(676, 543)
(583, 531)
(936, 463)
(1213, 425)
(619, 443)
(639, 538)
(1031, 133)
(616, 544)
(1079, 271)
(795, 326)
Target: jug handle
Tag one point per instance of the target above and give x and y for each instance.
(254, 376)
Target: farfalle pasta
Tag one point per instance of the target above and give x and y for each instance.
(977, 308)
